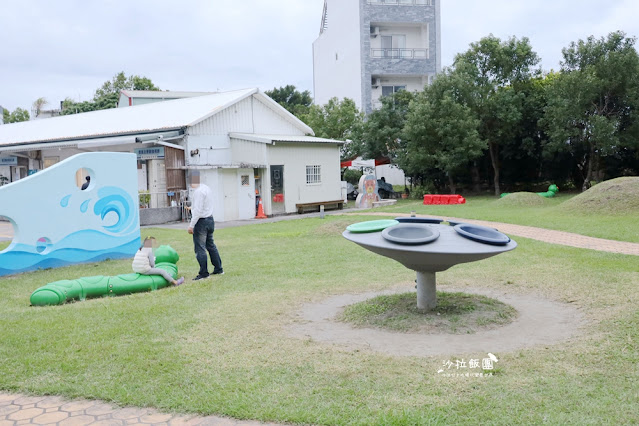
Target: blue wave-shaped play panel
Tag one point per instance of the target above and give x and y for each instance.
(93, 238)
(57, 223)
(116, 200)
(80, 239)
(21, 261)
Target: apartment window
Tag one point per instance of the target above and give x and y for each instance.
(313, 175)
(393, 45)
(389, 90)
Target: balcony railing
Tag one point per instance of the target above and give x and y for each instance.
(402, 2)
(399, 53)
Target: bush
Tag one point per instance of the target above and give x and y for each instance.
(145, 198)
(418, 191)
(352, 176)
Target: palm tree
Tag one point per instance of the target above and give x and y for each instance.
(37, 106)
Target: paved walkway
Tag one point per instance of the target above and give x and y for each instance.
(20, 409)
(52, 410)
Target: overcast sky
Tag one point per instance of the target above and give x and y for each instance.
(68, 48)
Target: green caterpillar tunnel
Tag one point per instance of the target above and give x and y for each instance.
(60, 292)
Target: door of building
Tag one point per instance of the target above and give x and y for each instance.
(142, 179)
(246, 194)
(277, 190)
(156, 173)
(18, 172)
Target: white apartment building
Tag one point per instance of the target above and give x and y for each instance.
(372, 48)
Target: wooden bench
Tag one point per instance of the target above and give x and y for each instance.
(338, 204)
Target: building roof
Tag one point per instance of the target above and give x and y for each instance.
(270, 139)
(159, 94)
(153, 117)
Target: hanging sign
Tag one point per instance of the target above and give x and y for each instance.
(151, 153)
(8, 161)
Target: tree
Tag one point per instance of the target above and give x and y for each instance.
(295, 102)
(337, 119)
(107, 95)
(491, 68)
(16, 116)
(69, 106)
(522, 156)
(381, 132)
(592, 105)
(441, 130)
(120, 82)
(38, 104)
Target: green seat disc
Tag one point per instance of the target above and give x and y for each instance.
(371, 226)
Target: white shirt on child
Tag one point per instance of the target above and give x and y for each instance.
(143, 260)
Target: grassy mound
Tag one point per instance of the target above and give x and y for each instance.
(456, 313)
(615, 196)
(523, 199)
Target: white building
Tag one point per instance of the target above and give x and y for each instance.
(243, 143)
(372, 48)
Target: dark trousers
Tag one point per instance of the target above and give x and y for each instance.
(203, 243)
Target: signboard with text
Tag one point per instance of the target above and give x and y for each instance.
(8, 161)
(152, 153)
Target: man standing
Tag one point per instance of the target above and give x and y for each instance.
(202, 226)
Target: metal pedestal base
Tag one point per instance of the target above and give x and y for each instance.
(426, 290)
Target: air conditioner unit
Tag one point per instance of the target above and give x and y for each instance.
(376, 82)
(374, 32)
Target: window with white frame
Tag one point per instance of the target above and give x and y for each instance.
(389, 90)
(313, 175)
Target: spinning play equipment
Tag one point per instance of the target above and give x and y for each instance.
(427, 247)
(60, 292)
(552, 191)
(56, 223)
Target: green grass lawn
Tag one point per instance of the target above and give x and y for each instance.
(622, 226)
(220, 346)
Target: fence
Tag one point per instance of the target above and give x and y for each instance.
(400, 53)
(402, 2)
(159, 200)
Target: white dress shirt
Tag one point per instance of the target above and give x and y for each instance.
(201, 204)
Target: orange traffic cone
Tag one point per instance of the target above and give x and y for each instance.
(260, 211)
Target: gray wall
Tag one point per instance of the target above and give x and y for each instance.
(160, 216)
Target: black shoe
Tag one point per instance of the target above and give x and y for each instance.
(200, 277)
(218, 273)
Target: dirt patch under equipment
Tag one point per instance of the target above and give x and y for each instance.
(540, 322)
(456, 313)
